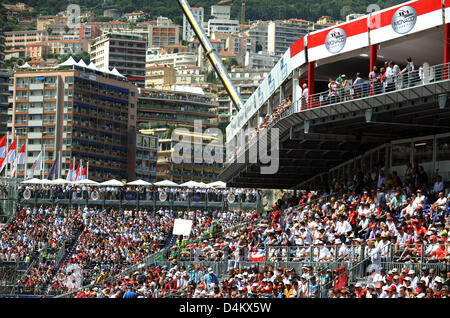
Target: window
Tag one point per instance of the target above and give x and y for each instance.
(401, 154)
(423, 151)
(443, 149)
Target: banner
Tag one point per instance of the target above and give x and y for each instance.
(182, 227)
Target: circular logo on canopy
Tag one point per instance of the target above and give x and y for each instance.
(335, 40)
(60, 194)
(231, 198)
(162, 196)
(404, 19)
(27, 194)
(197, 197)
(95, 195)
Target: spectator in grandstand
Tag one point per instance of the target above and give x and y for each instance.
(409, 73)
(358, 86)
(373, 75)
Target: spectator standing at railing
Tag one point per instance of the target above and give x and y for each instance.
(410, 72)
(389, 82)
(373, 79)
(358, 86)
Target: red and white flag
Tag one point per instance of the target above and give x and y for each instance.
(2, 146)
(70, 173)
(2, 164)
(21, 156)
(77, 173)
(83, 174)
(36, 165)
(257, 255)
(12, 151)
(20, 160)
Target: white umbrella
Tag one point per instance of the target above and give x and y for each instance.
(44, 181)
(139, 183)
(218, 184)
(112, 183)
(32, 181)
(166, 183)
(190, 184)
(86, 182)
(60, 181)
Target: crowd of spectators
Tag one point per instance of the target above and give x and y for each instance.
(83, 192)
(34, 229)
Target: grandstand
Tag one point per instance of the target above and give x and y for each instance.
(364, 220)
(319, 133)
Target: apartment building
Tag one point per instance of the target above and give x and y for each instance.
(146, 159)
(188, 32)
(2, 51)
(4, 99)
(281, 34)
(163, 33)
(159, 113)
(78, 113)
(246, 82)
(123, 51)
(160, 77)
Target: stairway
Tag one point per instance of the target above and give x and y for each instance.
(65, 258)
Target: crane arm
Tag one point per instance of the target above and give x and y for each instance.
(212, 55)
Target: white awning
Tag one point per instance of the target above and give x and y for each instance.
(139, 183)
(112, 183)
(166, 183)
(85, 182)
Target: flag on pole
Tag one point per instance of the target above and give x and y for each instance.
(21, 157)
(83, 174)
(3, 146)
(20, 160)
(12, 151)
(77, 172)
(36, 164)
(2, 164)
(54, 168)
(70, 173)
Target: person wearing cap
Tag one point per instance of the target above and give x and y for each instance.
(346, 251)
(432, 247)
(210, 278)
(313, 287)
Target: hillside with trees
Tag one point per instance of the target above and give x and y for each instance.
(255, 9)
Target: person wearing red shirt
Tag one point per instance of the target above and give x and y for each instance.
(275, 215)
(419, 229)
(352, 216)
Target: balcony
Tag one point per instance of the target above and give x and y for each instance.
(38, 98)
(35, 123)
(34, 135)
(36, 86)
(34, 147)
(35, 110)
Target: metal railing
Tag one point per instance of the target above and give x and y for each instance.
(366, 89)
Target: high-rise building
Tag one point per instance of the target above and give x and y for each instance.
(160, 113)
(163, 33)
(146, 149)
(246, 82)
(188, 32)
(123, 51)
(75, 112)
(2, 51)
(4, 99)
(281, 34)
(221, 12)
